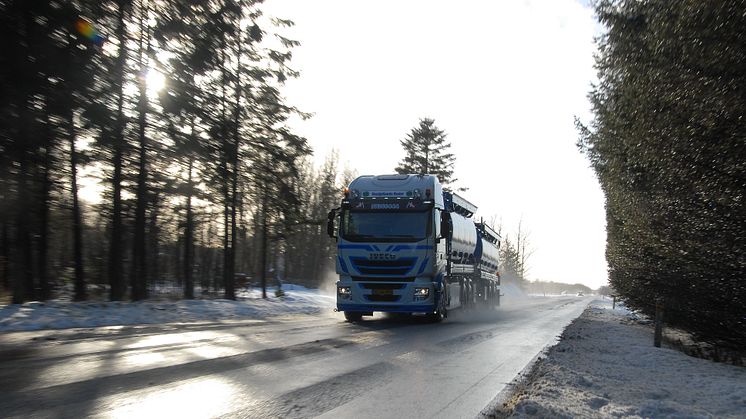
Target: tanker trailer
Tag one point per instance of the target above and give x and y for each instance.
(406, 246)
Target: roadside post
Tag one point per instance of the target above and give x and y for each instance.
(658, 323)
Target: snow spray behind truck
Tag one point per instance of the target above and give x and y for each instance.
(406, 246)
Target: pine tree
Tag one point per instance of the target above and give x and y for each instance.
(426, 152)
(180, 30)
(220, 126)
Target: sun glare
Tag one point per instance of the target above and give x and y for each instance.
(155, 80)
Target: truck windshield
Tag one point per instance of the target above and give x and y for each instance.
(386, 226)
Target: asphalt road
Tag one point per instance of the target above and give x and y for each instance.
(299, 366)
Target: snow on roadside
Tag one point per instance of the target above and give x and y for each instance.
(66, 314)
(605, 365)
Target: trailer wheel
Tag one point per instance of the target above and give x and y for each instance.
(353, 316)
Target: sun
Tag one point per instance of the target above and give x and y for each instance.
(154, 80)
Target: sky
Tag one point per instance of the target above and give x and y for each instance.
(504, 80)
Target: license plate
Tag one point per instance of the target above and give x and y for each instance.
(383, 291)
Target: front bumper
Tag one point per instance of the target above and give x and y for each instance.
(386, 296)
(399, 308)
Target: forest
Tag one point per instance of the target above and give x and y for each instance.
(175, 109)
(172, 112)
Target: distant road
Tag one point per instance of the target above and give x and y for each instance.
(295, 366)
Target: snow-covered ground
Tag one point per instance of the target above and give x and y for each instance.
(65, 314)
(605, 365)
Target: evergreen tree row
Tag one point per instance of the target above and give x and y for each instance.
(668, 143)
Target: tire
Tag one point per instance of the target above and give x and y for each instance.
(436, 317)
(441, 313)
(353, 316)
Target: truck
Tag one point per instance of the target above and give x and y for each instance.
(406, 245)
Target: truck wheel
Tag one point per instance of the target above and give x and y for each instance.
(441, 313)
(437, 317)
(353, 316)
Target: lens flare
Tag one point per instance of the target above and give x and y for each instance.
(85, 28)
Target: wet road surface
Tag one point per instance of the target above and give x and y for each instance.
(285, 367)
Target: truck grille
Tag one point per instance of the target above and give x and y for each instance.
(383, 286)
(383, 298)
(387, 279)
(383, 267)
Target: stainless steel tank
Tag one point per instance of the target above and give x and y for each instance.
(464, 242)
(490, 255)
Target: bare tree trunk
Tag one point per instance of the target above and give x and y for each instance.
(4, 271)
(153, 266)
(230, 289)
(188, 234)
(80, 285)
(139, 261)
(265, 231)
(44, 286)
(212, 255)
(226, 238)
(524, 252)
(227, 250)
(23, 281)
(116, 287)
(316, 258)
(6, 198)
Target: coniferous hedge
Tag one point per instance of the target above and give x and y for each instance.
(668, 143)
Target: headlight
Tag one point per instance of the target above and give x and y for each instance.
(421, 292)
(343, 290)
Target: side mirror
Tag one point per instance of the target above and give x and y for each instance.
(446, 228)
(330, 223)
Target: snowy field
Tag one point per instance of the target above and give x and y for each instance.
(606, 366)
(58, 314)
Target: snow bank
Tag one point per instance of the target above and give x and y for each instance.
(606, 366)
(65, 314)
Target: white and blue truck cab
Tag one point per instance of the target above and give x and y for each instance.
(404, 245)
